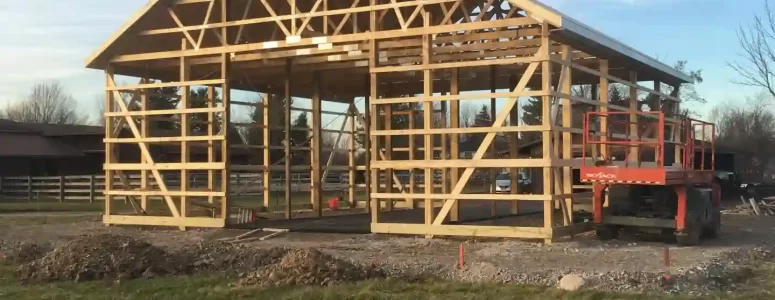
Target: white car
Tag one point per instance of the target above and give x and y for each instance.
(503, 182)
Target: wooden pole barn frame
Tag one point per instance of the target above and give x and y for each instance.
(431, 53)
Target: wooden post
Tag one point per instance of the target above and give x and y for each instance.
(372, 176)
(492, 174)
(91, 189)
(287, 130)
(604, 98)
(454, 120)
(567, 138)
(29, 188)
(317, 131)
(546, 80)
(388, 146)
(226, 120)
(351, 153)
(412, 156)
(144, 129)
(514, 150)
(267, 151)
(444, 150)
(427, 45)
(633, 131)
(109, 107)
(61, 188)
(185, 155)
(211, 128)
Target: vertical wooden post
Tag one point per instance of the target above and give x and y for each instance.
(109, 107)
(29, 188)
(444, 149)
(604, 98)
(317, 131)
(454, 120)
(604, 105)
(267, 150)
(492, 174)
(185, 75)
(351, 153)
(91, 190)
(372, 176)
(567, 138)
(412, 153)
(514, 150)
(226, 120)
(287, 130)
(61, 188)
(633, 107)
(144, 129)
(677, 136)
(546, 84)
(211, 128)
(427, 45)
(388, 146)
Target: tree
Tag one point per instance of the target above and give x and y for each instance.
(482, 118)
(300, 138)
(47, 103)
(749, 131)
(757, 41)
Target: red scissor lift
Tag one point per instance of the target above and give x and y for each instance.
(680, 200)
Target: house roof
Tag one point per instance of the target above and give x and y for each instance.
(31, 144)
(51, 129)
(154, 15)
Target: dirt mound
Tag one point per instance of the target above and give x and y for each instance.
(310, 267)
(20, 253)
(227, 257)
(94, 257)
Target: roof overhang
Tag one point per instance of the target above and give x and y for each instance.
(583, 33)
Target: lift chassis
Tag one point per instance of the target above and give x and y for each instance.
(644, 181)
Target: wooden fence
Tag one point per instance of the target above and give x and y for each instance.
(86, 188)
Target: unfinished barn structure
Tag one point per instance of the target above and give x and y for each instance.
(409, 60)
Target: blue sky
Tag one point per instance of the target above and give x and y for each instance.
(47, 40)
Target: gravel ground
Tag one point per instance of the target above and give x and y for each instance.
(630, 264)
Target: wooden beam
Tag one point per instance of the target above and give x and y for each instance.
(454, 120)
(287, 140)
(427, 125)
(546, 85)
(317, 124)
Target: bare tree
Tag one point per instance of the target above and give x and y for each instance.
(47, 103)
(99, 110)
(750, 131)
(467, 113)
(757, 41)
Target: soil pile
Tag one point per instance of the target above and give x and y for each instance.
(20, 253)
(310, 267)
(95, 257)
(226, 257)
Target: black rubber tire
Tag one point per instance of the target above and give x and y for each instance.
(691, 235)
(713, 230)
(607, 232)
(667, 235)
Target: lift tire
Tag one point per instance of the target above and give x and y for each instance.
(667, 235)
(691, 235)
(607, 232)
(713, 230)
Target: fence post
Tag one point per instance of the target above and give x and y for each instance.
(61, 188)
(29, 188)
(91, 188)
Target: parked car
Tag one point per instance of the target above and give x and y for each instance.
(503, 182)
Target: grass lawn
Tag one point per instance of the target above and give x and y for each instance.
(219, 287)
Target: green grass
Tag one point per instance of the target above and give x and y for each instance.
(219, 287)
(12, 220)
